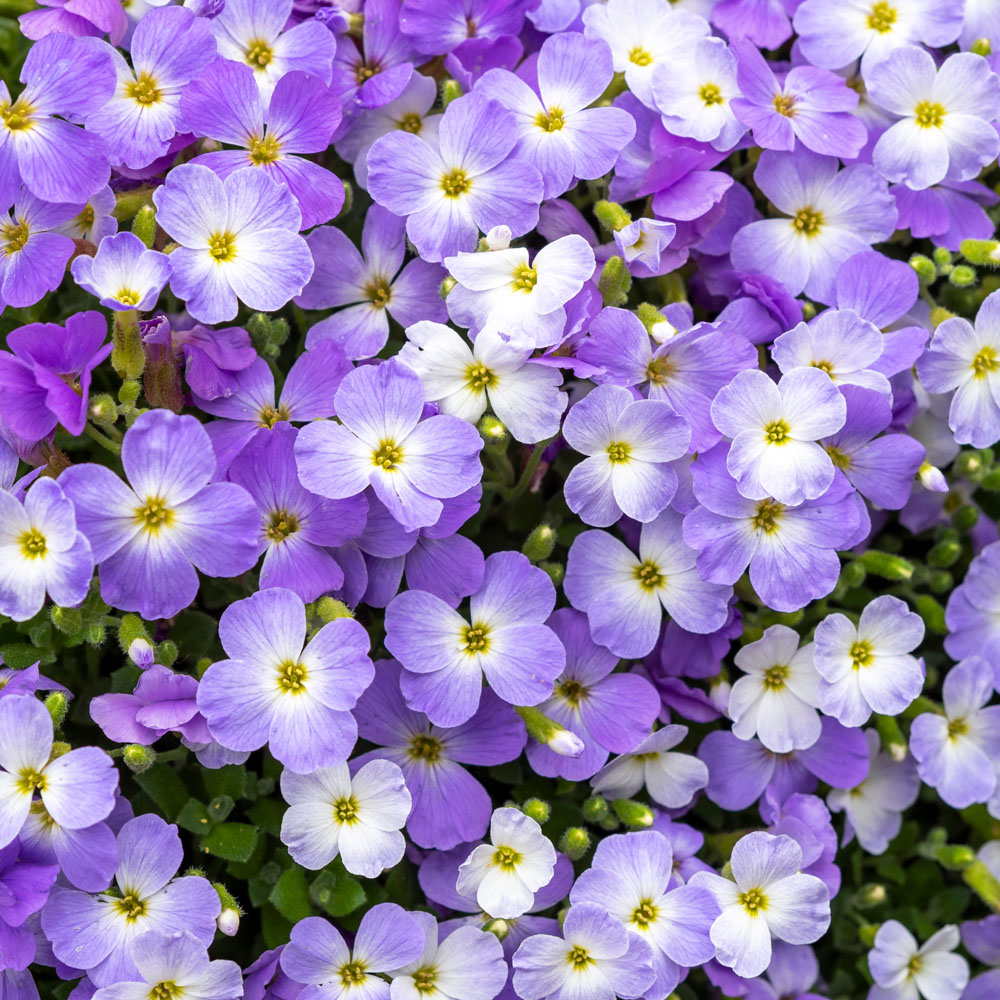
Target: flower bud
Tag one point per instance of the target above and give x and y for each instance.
(893, 741)
(56, 703)
(967, 463)
(886, 565)
(939, 315)
(540, 543)
(102, 410)
(451, 90)
(944, 554)
(983, 883)
(941, 582)
(924, 266)
(852, 575)
(594, 809)
(538, 809)
(498, 238)
(144, 224)
(612, 216)
(140, 652)
(167, 652)
(127, 356)
(131, 628)
(932, 478)
(981, 47)
(932, 612)
(635, 815)
(991, 481)
(965, 518)
(555, 570)
(985, 253)
(955, 857)
(867, 932)
(69, 621)
(59, 749)
(493, 431)
(95, 634)
(614, 282)
(138, 758)
(446, 286)
(565, 743)
(574, 843)
(228, 920)
(328, 609)
(942, 259)
(962, 276)
(129, 393)
(498, 927)
(871, 894)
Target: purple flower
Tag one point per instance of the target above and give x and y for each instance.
(148, 537)
(642, 244)
(831, 215)
(56, 161)
(374, 286)
(608, 711)
(297, 528)
(630, 444)
(902, 969)
(765, 22)
(948, 213)
(24, 888)
(868, 668)
(466, 184)
(169, 48)
(380, 441)
(41, 552)
(94, 221)
(945, 128)
(76, 17)
(387, 938)
(225, 104)
(277, 689)
(632, 878)
(77, 789)
(450, 806)
(811, 105)
(97, 933)
(624, 594)
(252, 32)
(769, 896)
(445, 655)
(972, 611)
(955, 751)
(238, 238)
(33, 250)
(558, 132)
(806, 819)
(437, 26)
(873, 808)
(123, 274)
(332, 813)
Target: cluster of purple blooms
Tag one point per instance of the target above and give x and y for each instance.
(431, 193)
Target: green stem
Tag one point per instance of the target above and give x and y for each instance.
(102, 439)
(529, 470)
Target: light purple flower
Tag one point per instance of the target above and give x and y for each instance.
(123, 274)
(73, 17)
(466, 184)
(973, 607)
(275, 688)
(643, 244)
(148, 537)
(438, 26)
(24, 888)
(238, 238)
(94, 221)
(624, 594)
(901, 969)
(768, 897)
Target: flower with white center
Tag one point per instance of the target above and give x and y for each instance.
(775, 427)
(464, 380)
(358, 818)
(595, 959)
(868, 668)
(41, 552)
(904, 971)
(504, 875)
(468, 964)
(776, 698)
(768, 896)
(123, 274)
(502, 292)
(671, 778)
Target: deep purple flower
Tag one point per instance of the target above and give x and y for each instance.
(437, 26)
(24, 888)
(76, 17)
(33, 250)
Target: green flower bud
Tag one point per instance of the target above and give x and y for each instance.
(939, 315)
(609, 823)
(612, 216)
(962, 276)
(493, 431)
(924, 266)
(635, 815)
(540, 543)
(103, 410)
(131, 628)
(95, 634)
(56, 703)
(129, 393)
(538, 809)
(144, 224)
(932, 613)
(867, 932)
(941, 582)
(556, 572)
(870, 894)
(69, 621)
(955, 857)
(138, 758)
(852, 575)
(808, 311)
(967, 463)
(574, 843)
(127, 355)
(944, 554)
(59, 749)
(548, 732)
(446, 286)
(594, 809)
(498, 927)
(893, 740)
(991, 481)
(985, 253)
(965, 518)
(981, 881)
(942, 258)
(330, 610)
(451, 90)
(614, 282)
(650, 315)
(167, 652)
(886, 565)
(981, 47)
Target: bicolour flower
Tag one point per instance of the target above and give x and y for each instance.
(373, 285)
(830, 214)
(97, 933)
(775, 427)
(175, 963)
(41, 552)
(504, 875)
(812, 105)
(629, 445)
(833, 34)
(450, 806)
(945, 128)
(56, 161)
(632, 877)
(388, 938)
(445, 655)
(642, 245)
(873, 808)
(595, 959)
(95, 220)
(672, 778)
(685, 369)
(903, 970)
(624, 594)
(955, 751)
(467, 184)
(239, 239)
(466, 964)
(169, 48)
(123, 273)
(557, 132)
(357, 817)
(297, 528)
(77, 789)
(966, 358)
(462, 379)
(225, 104)
(501, 292)
(607, 711)
(45, 380)
(380, 441)
(253, 32)
(776, 700)
(276, 688)
(768, 896)
(694, 93)
(867, 667)
(33, 250)
(148, 537)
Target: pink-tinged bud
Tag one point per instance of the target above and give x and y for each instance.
(140, 652)
(228, 922)
(565, 743)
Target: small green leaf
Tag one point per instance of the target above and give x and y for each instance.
(232, 841)
(194, 817)
(337, 893)
(290, 895)
(166, 790)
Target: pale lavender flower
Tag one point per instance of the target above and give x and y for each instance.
(903, 970)
(123, 273)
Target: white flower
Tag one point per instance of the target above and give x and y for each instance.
(902, 971)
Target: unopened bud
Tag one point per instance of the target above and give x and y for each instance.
(965, 518)
(886, 565)
(498, 238)
(871, 894)
(565, 743)
(451, 90)
(540, 543)
(96, 634)
(991, 481)
(635, 815)
(985, 253)
(228, 920)
(614, 282)
(932, 612)
(56, 703)
(167, 653)
(867, 932)
(981, 47)
(968, 463)
(328, 609)
(594, 809)
(938, 315)
(538, 809)
(102, 410)
(955, 857)
(962, 276)
(944, 554)
(612, 216)
(852, 575)
(609, 823)
(574, 843)
(128, 394)
(132, 627)
(138, 758)
(924, 266)
(556, 572)
(69, 621)
(144, 224)
(982, 881)
(942, 259)
(498, 927)
(59, 749)
(941, 582)
(127, 355)
(893, 741)
(932, 478)
(493, 432)
(140, 652)
(446, 286)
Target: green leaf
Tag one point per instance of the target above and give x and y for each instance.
(290, 895)
(194, 817)
(18, 655)
(166, 790)
(231, 841)
(194, 633)
(230, 780)
(337, 893)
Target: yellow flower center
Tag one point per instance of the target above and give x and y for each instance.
(659, 370)
(478, 377)
(649, 576)
(710, 93)
(378, 292)
(929, 114)
(130, 906)
(154, 515)
(271, 415)
(525, 278)
(280, 525)
(346, 810)
(28, 780)
(506, 858)
(766, 517)
(365, 72)
(33, 544)
(17, 116)
(861, 654)
(127, 296)
(571, 691)
(166, 991)
(259, 54)
(455, 183)
(143, 90)
(388, 456)
(775, 677)
(984, 363)
(85, 219)
(352, 974)
(222, 247)
(640, 56)
(777, 432)
(753, 901)
(618, 452)
(579, 958)
(15, 236)
(839, 458)
(424, 980)
(264, 149)
(423, 746)
(644, 914)
(823, 366)
(475, 638)
(784, 104)
(957, 727)
(292, 678)
(882, 17)
(551, 120)
(411, 123)
(807, 222)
